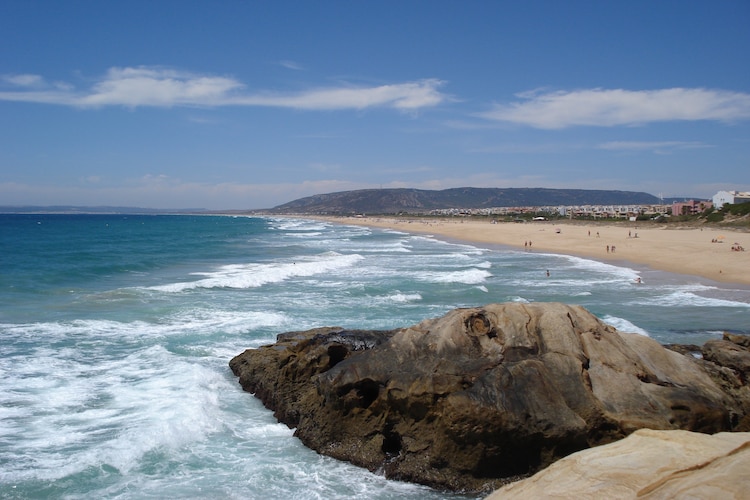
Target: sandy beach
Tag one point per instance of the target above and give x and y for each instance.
(705, 252)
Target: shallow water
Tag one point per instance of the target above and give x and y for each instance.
(116, 331)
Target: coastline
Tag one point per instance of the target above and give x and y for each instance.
(703, 252)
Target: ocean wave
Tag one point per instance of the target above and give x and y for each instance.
(195, 320)
(108, 416)
(470, 276)
(624, 325)
(521, 300)
(255, 275)
(403, 298)
(621, 272)
(302, 225)
(687, 298)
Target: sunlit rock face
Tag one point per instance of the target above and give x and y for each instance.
(481, 396)
(648, 464)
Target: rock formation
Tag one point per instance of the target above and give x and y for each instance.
(649, 465)
(485, 395)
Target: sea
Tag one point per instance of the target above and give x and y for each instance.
(116, 332)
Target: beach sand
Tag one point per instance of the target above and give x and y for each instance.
(705, 252)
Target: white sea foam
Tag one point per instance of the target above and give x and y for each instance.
(470, 276)
(390, 247)
(522, 300)
(198, 320)
(467, 249)
(403, 298)
(623, 273)
(254, 275)
(297, 225)
(624, 325)
(686, 297)
(106, 413)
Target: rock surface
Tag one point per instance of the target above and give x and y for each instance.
(485, 395)
(648, 464)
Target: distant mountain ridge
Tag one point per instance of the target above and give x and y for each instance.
(389, 201)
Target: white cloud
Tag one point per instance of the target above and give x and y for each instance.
(159, 87)
(291, 65)
(607, 108)
(23, 80)
(655, 146)
(404, 96)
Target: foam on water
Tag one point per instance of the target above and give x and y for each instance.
(256, 275)
(404, 297)
(200, 320)
(686, 297)
(624, 325)
(470, 276)
(106, 413)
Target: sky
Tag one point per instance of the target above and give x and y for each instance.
(231, 104)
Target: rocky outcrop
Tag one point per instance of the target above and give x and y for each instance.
(481, 396)
(648, 464)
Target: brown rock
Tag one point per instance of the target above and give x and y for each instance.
(648, 464)
(479, 396)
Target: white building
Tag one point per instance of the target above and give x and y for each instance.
(723, 197)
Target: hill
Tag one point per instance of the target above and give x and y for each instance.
(389, 201)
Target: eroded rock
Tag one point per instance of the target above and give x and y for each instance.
(479, 396)
(648, 464)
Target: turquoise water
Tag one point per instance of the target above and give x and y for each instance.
(116, 331)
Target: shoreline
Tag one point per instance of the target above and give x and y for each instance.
(702, 252)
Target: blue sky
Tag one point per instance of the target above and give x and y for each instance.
(243, 104)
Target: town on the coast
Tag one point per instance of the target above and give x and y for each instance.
(632, 212)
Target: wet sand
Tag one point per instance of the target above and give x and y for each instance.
(705, 252)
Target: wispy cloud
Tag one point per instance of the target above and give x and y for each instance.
(291, 65)
(159, 87)
(659, 147)
(25, 80)
(608, 108)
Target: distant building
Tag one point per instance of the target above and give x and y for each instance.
(691, 207)
(723, 197)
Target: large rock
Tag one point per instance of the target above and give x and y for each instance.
(480, 396)
(649, 465)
